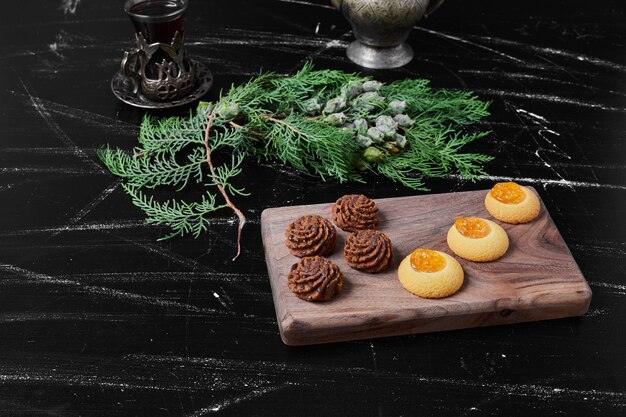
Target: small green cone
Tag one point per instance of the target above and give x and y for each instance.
(373, 155)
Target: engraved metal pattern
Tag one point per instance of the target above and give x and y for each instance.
(124, 89)
(381, 28)
(160, 71)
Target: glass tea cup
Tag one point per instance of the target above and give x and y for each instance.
(157, 20)
(158, 67)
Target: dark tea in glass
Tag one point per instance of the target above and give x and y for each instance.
(157, 20)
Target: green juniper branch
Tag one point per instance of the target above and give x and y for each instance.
(180, 216)
(325, 123)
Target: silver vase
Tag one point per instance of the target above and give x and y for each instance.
(381, 28)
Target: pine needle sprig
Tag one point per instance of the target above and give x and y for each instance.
(312, 147)
(224, 173)
(441, 107)
(169, 135)
(434, 155)
(181, 217)
(151, 171)
(218, 181)
(325, 123)
(292, 91)
(468, 165)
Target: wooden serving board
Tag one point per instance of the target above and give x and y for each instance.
(537, 279)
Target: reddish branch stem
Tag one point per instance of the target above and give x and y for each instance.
(275, 120)
(252, 132)
(229, 203)
(240, 216)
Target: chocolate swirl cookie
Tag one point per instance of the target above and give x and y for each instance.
(355, 212)
(310, 235)
(315, 279)
(368, 251)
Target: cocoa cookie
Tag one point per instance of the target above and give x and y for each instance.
(355, 212)
(368, 251)
(310, 235)
(315, 279)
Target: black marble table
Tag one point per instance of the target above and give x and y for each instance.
(98, 318)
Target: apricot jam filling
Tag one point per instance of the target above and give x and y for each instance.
(472, 227)
(508, 193)
(426, 260)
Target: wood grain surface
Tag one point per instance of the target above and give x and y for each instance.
(537, 279)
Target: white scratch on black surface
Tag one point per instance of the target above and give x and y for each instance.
(104, 317)
(87, 226)
(373, 350)
(265, 39)
(226, 296)
(50, 170)
(59, 133)
(109, 318)
(177, 276)
(334, 43)
(69, 6)
(14, 185)
(289, 372)
(45, 150)
(104, 291)
(465, 41)
(34, 376)
(88, 118)
(147, 372)
(306, 3)
(614, 288)
(533, 115)
(534, 77)
(581, 58)
(191, 264)
(597, 312)
(62, 42)
(553, 51)
(221, 301)
(536, 119)
(95, 202)
(277, 41)
(236, 400)
(610, 251)
(578, 165)
(543, 181)
(178, 259)
(54, 48)
(550, 98)
(242, 320)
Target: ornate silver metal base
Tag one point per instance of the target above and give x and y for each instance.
(124, 89)
(379, 58)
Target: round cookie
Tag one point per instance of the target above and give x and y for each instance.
(437, 275)
(310, 235)
(512, 203)
(368, 251)
(355, 212)
(315, 278)
(489, 241)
